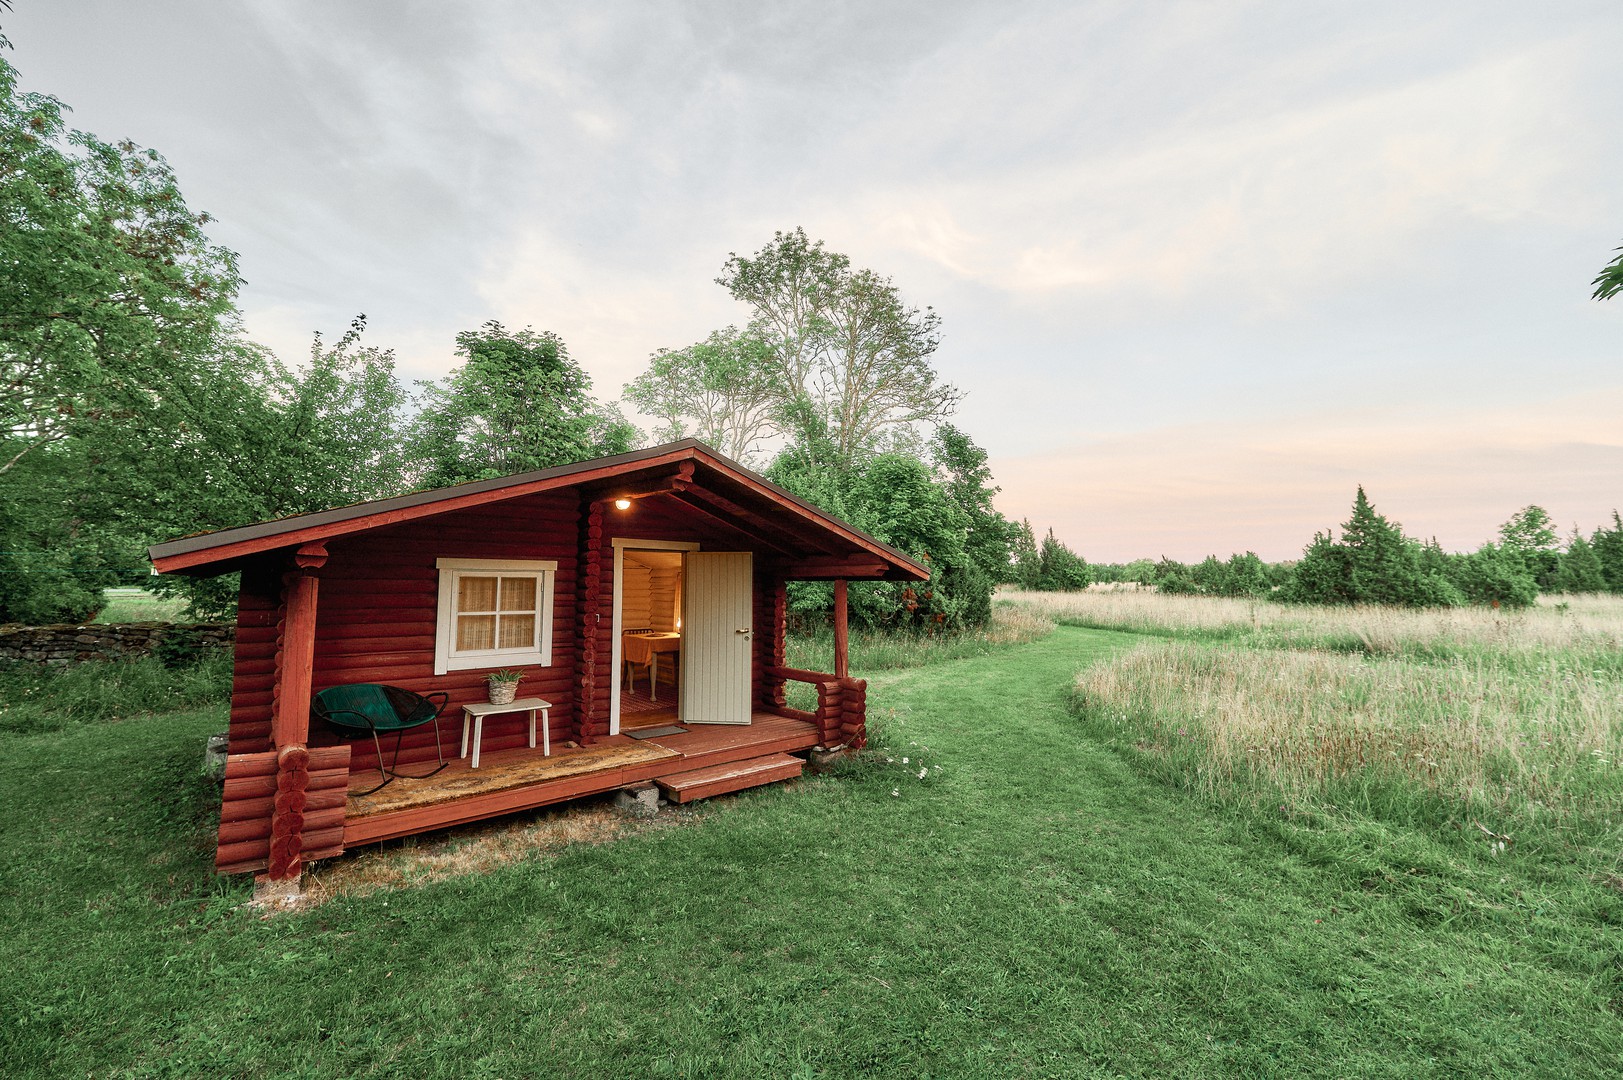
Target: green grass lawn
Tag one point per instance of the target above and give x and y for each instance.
(126, 604)
(1032, 907)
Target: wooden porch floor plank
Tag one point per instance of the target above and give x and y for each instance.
(730, 776)
(452, 799)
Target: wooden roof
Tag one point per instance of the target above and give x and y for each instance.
(810, 543)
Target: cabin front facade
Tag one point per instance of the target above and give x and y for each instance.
(639, 593)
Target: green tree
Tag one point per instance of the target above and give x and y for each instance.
(1244, 575)
(1062, 570)
(1609, 282)
(727, 391)
(115, 308)
(1494, 574)
(1372, 563)
(1531, 534)
(518, 402)
(1025, 569)
(964, 474)
(1608, 545)
(1139, 571)
(1581, 570)
(1174, 578)
(111, 288)
(267, 440)
(896, 499)
(846, 343)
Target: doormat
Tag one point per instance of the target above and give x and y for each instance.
(656, 732)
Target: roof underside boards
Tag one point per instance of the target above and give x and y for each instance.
(806, 541)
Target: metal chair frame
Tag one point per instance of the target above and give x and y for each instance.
(369, 725)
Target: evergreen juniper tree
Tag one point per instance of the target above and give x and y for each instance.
(1580, 567)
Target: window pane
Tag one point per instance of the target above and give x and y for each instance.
(476, 593)
(518, 631)
(518, 594)
(475, 632)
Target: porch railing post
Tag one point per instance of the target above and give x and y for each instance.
(842, 635)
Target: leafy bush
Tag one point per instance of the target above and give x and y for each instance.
(1495, 574)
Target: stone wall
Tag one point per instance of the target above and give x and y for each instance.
(103, 641)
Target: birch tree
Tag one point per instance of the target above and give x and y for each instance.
(726, 391)
(846, 344)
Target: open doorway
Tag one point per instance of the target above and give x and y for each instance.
(647, 652)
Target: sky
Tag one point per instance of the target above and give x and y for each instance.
(1203, 268)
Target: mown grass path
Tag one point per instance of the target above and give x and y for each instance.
(1032, 908)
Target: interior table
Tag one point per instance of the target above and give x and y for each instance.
(644, 649)
(476, 713)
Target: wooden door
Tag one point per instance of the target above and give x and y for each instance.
(716, 632)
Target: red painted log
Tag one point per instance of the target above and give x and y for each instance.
(233, 832)
(241, 765)
(315, 823)
(262, 806)
(323, 843)
(235, 858)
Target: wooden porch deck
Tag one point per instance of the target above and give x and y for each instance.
(508, 781)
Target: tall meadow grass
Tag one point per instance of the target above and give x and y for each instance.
(37, 697)
(1462, 732)
(1517, 717)
(1584, 630)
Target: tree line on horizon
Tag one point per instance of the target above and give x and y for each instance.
(1373, 561)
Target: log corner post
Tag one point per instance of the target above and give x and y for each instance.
(290, 722)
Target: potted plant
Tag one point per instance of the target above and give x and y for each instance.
(503, 685)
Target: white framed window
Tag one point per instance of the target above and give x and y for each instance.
(493, 613)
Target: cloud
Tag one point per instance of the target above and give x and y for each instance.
(1222, 487)
(1287, 198)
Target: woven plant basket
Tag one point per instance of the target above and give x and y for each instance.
(502, 693)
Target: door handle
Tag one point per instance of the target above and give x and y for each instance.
(746, 630)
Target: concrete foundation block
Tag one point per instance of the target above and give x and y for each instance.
(822, 759)
(640, 801)
(272, 896)
(214, 755)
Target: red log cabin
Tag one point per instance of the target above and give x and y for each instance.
(641, 596)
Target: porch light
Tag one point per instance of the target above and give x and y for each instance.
(622, 504)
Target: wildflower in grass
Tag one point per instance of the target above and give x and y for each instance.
(895, 791)
(923, 773)
(904, 761)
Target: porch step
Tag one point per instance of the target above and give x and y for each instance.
(730, 776)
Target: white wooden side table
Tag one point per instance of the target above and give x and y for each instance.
(475, 714)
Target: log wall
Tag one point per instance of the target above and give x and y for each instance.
(376, 619)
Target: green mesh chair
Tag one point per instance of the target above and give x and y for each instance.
(358, 709)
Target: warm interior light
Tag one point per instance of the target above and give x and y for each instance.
(622, 504)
